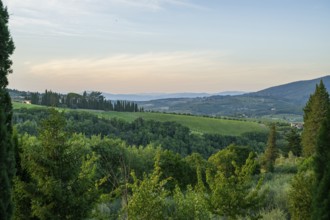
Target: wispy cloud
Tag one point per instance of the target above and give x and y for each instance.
(158, 4)
(162, 72)
(67, 18)
(126, 72)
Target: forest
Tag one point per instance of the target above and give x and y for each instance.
(91, 100)
(145, 169)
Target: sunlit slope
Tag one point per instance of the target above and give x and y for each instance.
(195, 123)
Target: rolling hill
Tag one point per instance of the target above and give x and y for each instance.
(297, 92)
(154, 96)
(195, 123)
(283, 99)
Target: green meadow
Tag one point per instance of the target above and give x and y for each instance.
(197, 124)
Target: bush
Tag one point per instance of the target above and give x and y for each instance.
(274, 214)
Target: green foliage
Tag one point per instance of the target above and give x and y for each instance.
(7, 168)
(294, 142)
(148, 200)
(271, 151)
(113, 165)
(315, 112)
(254, 105)
(6, 47)
(93, 100)
(196, 124)
(275, 188)
(169, 135)
(224, 161)
(7, 154)
(21, 187)
(234, 196)
(175, 167)
(287, 165)
(61, 172)
(321, 197)
(191, 204)
(300, 195)
(274, 214)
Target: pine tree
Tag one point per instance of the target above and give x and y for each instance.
(321, 197)
(300, 195)
(61, 171)
(7, 156)
(294, 142)
(315, 113)
(271, 150)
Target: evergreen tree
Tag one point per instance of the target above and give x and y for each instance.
(271, 150)
(321, 197)
(148, 200)
(235, 196)
(7, 156)
(294, 142)
(61, 173)
(300, 194)
(315, 113)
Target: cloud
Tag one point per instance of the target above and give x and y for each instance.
(84, 17)
(130, 65)
(126, 72)
(162, 72)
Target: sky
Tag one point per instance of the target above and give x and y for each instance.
(145, 46)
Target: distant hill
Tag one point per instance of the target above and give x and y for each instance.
(278, 100)
(297, 92)
(155, 96)
(283, 99)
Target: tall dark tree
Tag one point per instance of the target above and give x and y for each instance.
(7, 156)
(321, 197)
(61, 171)
(315, 112)
(271, 150)
(294, 142)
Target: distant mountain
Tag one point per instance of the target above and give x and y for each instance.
(283, 99)
(297, 92)
(155, 96)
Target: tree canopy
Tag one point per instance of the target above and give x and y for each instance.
(7, 158)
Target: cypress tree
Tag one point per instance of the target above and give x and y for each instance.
(294, 142)
(7, 156)
(271, 150)
(321, 197)
(315, 112)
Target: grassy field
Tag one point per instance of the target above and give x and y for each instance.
(18, 105)
(195, 123)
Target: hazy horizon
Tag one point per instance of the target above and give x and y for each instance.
(167, 46)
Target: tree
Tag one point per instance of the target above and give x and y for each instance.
(234, 196)
(315, 113)
(62, 172)
(310, 194)
(148, 200)
(271, 151)
(7, 155)
(294, 142)
(321, 197)
(191, 204)
(300, 194)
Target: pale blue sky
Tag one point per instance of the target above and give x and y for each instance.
(134, 46)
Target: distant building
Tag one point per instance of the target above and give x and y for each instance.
(27, 102)
(298, 125)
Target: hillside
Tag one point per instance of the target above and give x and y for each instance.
(284, 99)
(195, 123)
(154, 96)
(297, 92)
